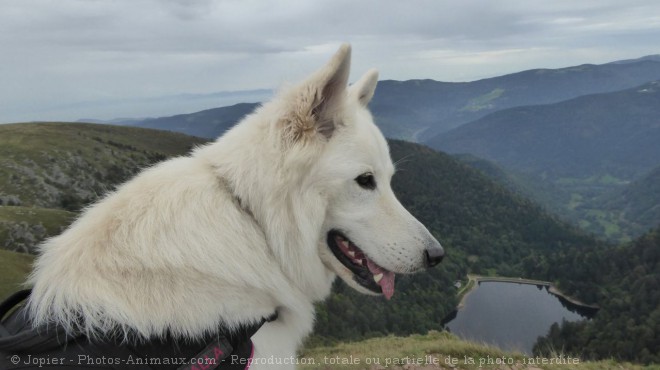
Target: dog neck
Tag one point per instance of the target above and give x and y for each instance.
(281, 204)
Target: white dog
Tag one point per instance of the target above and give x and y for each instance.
(262, 220)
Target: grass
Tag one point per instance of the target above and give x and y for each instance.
(608, 224)
(483, 101)
(42, 136)
(575, 201)
(391, 350)
(605, 179)
(586, 209)
(15, 267)
(434, 350)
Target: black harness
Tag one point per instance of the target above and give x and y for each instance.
(24, 347)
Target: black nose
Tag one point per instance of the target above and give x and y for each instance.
(434, 255)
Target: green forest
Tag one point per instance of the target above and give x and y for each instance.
(624, 281)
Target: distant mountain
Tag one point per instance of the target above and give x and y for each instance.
(209, 123)
(114, 121)
(420, 109)
(417, 110)
(613, 134)
(132, 107)
(654, 58)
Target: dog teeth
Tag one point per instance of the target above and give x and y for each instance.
(351, 254)
(378, 278)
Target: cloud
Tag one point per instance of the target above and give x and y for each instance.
(59, 52)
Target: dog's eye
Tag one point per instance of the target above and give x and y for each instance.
(366, 181)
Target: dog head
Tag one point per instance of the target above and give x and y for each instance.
(367, 236)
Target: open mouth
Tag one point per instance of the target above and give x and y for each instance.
(365, 271)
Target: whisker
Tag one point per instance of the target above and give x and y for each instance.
(401, 161)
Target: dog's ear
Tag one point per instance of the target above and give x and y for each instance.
(363, 90)
(318, 101)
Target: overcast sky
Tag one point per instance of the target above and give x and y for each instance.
(68, 59)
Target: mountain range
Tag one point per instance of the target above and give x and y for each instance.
(421, 109)
(209, 123)
(615, 134)
(417, 110)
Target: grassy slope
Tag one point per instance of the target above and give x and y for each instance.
(400, 352)
(55, 165)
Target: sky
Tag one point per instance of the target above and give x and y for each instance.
(72, 59)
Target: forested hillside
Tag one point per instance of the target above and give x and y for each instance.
(624, 281)
(637, 204)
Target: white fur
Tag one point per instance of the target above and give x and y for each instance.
(237, 229)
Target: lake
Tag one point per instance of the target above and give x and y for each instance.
(510, 316)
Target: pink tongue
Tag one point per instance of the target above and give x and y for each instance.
(387, 282)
